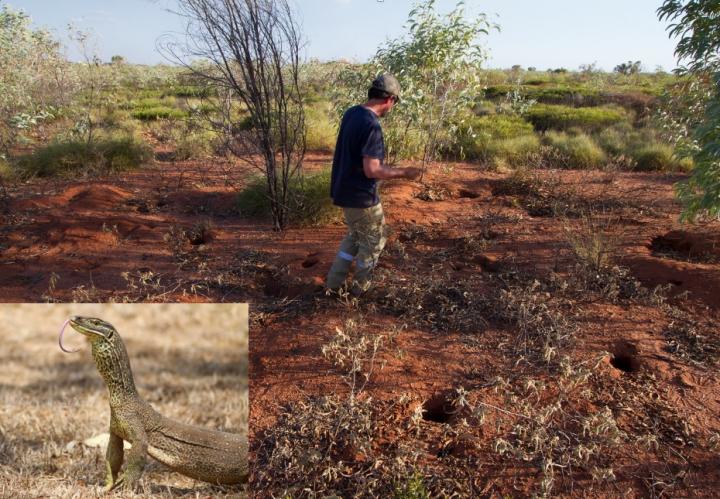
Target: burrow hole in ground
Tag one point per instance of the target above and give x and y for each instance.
(625, 357)
(439, 408)
(310, 262)
(468, 194)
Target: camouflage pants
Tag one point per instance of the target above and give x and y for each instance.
(363, 244)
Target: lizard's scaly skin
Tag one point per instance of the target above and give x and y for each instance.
(208, 455)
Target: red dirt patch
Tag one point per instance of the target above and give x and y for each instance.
(126, 239)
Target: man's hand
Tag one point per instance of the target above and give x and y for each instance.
(412, 173)
(373, 168)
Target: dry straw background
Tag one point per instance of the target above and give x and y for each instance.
(189, 361)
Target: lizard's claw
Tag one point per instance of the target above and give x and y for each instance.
(118, 484)
(124, 484)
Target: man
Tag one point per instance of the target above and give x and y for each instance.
(358, 164)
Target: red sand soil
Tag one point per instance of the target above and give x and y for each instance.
(94, 239)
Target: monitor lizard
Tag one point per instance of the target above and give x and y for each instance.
(207, 455)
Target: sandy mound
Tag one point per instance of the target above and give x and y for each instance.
(96, 197)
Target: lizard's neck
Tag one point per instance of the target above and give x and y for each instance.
(114, 367)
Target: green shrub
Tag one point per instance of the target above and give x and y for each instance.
(190, 91)
(574, 95)
(512, 151)
(401, 143)
(659, 157)
(202, 108)
(486, 137)
(546, 117)
(412, 488)
(71, 157)
(158, 113)
(310, 202)
(118, 122)
(501, 126)
(5, 169)
(148, 93)
(576, 151)
(139, 104)
(612, 140)
(321, 131)
(245, 123)
(194, 145)
(497, 91)
(566, 95)
(151, 102)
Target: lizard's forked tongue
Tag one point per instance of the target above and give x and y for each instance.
(62, 330)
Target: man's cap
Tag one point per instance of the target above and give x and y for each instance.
(387, 83)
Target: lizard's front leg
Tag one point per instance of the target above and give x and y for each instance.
(113, 459)
(136, 457)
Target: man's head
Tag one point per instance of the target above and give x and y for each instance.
(384, 93)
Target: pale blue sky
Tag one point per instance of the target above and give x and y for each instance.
(540, 33)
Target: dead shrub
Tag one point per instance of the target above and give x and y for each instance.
(593, 242)
(433, 192)
(431, 301)
(594, 273)
(547, 430)
(544, 324)
(692, 339)
(354, 353)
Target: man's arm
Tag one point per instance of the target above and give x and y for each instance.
(373, 168)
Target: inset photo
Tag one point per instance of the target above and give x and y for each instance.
(144, 400)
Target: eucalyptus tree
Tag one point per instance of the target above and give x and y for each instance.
(696, 23)
(31, 76)
(250, 51)
(438, 63)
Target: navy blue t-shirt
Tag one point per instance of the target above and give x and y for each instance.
(360, 135)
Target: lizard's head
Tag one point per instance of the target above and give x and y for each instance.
(109, 353)
(96, 330)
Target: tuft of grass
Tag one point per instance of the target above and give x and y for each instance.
(642, 147)
(141, 101)
(579, 151)
(195, 144)
(321, 131)
(6, 170)
(557, 117)
(190, 91)
(659, 157)
(309, 202)
(158, 113)
(72, 157)
(513, 151)
(497, 137)
(563, 94)
(413, 488)
(592, 243)
(612, 140)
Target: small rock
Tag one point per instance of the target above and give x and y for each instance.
(102, 440)
(685, 379)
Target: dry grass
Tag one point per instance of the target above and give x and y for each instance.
(692, 338)
(189, 362)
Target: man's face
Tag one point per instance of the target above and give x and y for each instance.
(389, 104)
